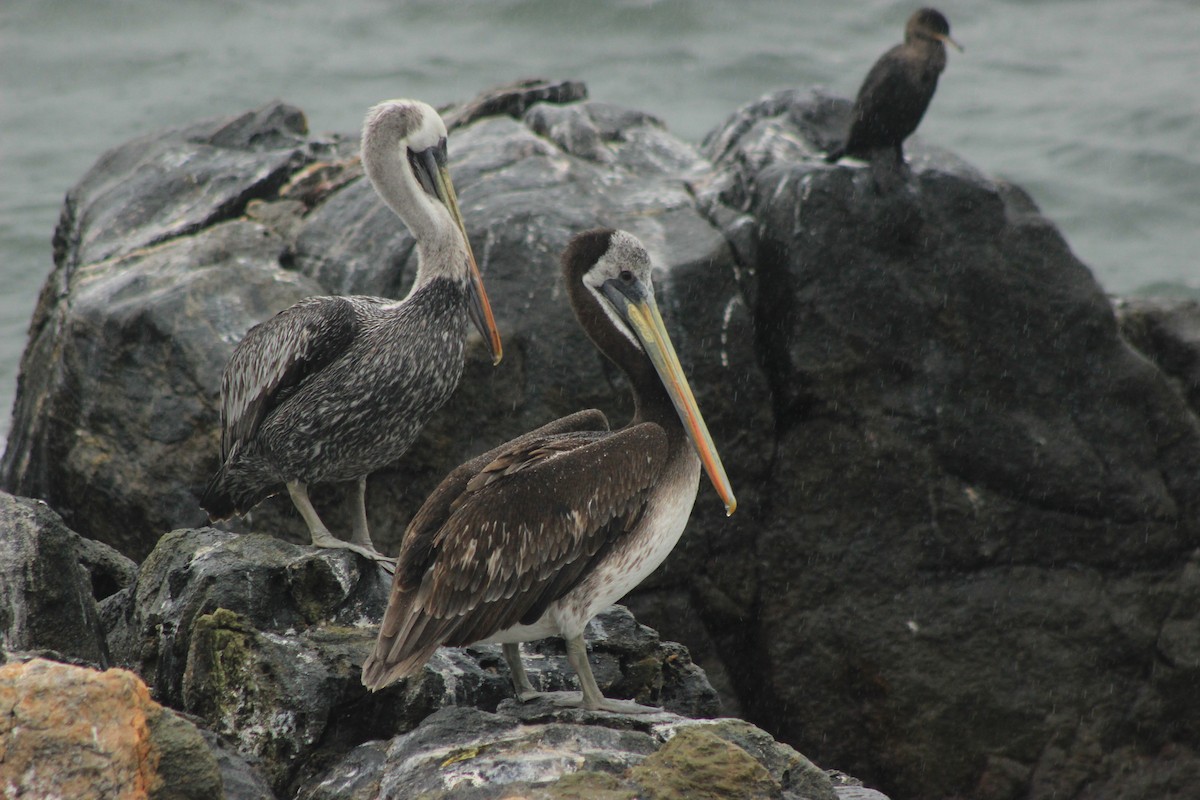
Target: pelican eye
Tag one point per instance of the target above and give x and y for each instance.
(626, 276)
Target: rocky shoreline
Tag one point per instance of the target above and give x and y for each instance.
(965, 562)
(252, 647)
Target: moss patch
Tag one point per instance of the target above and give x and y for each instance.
(699, 765)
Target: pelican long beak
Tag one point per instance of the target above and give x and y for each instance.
(636, 304)
(479, 309)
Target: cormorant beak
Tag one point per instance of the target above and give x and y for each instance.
(943, 37)
(478, 307)
(635, 303)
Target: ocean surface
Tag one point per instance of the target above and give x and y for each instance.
(1093, 106)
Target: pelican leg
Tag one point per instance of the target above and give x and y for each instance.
(592, 699)
(321, 537)
(360, 535)
(522, 686)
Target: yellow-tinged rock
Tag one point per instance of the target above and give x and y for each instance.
(78, 733)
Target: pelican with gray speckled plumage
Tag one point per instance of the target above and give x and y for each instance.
(335, 388)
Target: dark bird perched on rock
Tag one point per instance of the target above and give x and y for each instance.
(534, 537)
(335, 388)
(897, 90)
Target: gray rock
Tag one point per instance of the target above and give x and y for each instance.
(981, 500)
(123, 458)
(52, 579)
(513, 100)
(1167, 331)
(170, 184)
(555, 753)
(264, 640)
(963, 562)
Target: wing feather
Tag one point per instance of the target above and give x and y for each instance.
(278, 355)
(887, 104)
(519, 529)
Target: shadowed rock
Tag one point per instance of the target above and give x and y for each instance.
(53, 579)
(980, 490)
(1167, 331)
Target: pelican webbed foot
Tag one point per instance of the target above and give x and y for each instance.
(321, 537)
(611, 705)
(326, 539)
(590, 697)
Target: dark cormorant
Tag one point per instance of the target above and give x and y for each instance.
(897, 90)
(335, 388)
(534, 537)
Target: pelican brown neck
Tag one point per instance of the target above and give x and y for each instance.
(633, 300)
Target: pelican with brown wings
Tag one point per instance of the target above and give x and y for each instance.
(533, 538)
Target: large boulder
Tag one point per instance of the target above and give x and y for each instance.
(156, 278)
(964, 559)
(983, 507)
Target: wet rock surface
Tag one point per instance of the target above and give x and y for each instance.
(983, 497)
(264, 641)
(541, 751)
(964, 561)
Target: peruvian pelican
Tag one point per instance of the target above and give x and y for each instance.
(334, 388)
(534, 537)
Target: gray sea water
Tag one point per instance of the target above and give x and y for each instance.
(1090, 105)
